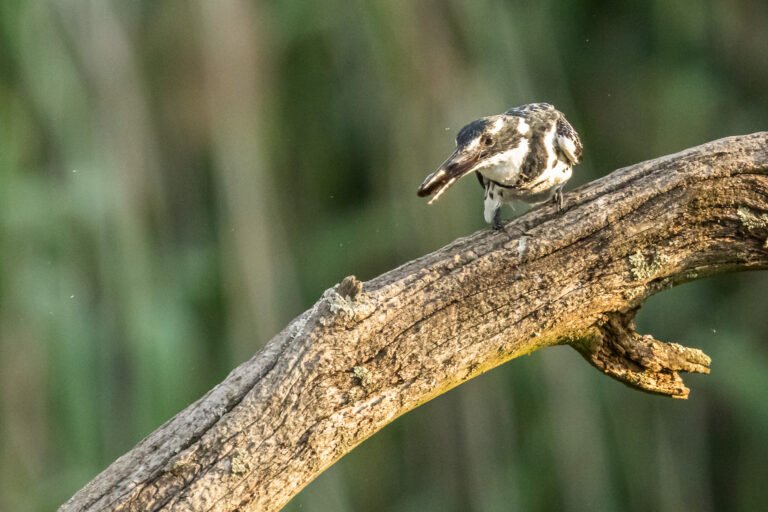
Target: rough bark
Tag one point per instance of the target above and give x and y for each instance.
(368, 352)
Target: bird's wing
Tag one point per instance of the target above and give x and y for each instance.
(568, 140)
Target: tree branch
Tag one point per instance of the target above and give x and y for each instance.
(368, 352)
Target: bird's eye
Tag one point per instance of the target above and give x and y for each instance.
(488, 140)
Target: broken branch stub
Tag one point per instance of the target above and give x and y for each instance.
(365, 354)
(640, 361)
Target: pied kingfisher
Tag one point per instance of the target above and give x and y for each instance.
(527, 154)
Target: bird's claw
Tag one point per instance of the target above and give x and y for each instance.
(558, 199)
(496, 224)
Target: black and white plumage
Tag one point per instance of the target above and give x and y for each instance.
(526, 154)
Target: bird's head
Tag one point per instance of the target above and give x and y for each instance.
(487, 141)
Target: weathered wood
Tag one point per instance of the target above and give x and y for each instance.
(368, 352)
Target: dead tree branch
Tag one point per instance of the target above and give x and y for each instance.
(368, 352)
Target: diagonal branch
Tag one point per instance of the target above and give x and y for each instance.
(368, 352)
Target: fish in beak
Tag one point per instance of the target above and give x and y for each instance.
(458, 165)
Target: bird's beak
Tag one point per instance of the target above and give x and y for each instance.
(459, 164)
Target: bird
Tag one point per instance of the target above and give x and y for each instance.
(525, 154)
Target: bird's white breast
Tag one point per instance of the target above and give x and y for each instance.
(505, 167)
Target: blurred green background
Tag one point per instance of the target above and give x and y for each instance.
(179, 179)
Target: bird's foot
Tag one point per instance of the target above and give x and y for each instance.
(523, 232)
(558, 199)
(496, 225)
